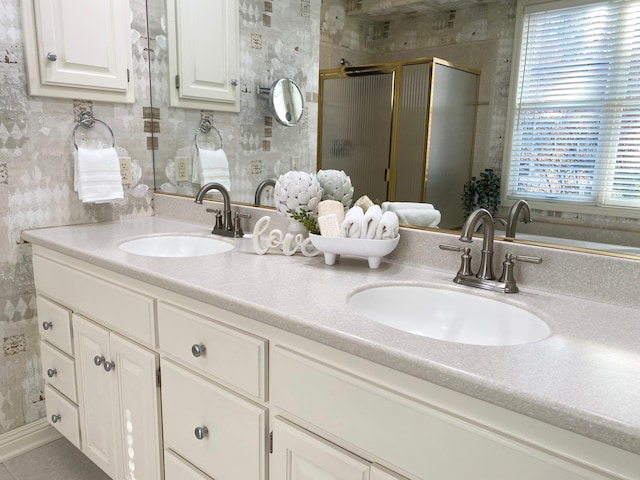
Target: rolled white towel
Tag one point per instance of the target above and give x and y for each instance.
(388, 227)
(395, 206)
(419, 217)
(370, 222)
(351, 227)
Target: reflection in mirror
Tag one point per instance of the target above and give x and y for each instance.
(257, 146)
(478, 36)
(286, 102)
(403, 131)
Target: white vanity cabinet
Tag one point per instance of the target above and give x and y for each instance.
(108, 404)
(204, 54)
(78, 49)
(244, 400)
(119, 402)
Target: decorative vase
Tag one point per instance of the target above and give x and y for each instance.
(297, 191)
(336, 185)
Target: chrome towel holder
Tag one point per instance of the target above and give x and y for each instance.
(87, 120)
(205, 127)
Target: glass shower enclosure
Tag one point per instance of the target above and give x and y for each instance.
(402, 131)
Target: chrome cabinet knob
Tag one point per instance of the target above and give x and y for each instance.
(52, 372)
(234, 82)
(47, 325)
(201, 432)
(108, 366)
(98, 360)
(198, 350)
(56, 418)
(52, 57)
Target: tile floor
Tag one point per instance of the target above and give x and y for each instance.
(58, 460)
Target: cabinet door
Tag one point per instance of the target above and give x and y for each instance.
(98, 425)
(204, 53)
(300, 455)
(136, 396)
(75, 44)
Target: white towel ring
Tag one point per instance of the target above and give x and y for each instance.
(205, 127)
(87, 120)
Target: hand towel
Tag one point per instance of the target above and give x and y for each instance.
(352, 225)
(395, 206)
(213, 166)
(97, 175)
(419, 217)
(388, 227)
(370, 222)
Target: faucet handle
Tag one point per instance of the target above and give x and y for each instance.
(507, 270)
(526, 258)
(465, 259)
(218, 212)
(237, 227)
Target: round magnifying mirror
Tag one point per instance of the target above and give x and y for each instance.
(287, 103)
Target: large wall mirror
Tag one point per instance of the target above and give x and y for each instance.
(333, 33)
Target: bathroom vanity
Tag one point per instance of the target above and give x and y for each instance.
(238, 366)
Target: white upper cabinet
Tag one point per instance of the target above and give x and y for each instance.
(79, 49)
(204, 54)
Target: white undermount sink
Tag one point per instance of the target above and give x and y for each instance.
(449, 315)
(176, 245)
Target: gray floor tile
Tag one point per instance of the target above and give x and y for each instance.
(4, 474)
(58, 460)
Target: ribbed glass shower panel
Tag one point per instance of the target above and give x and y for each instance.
(412, 132)
(356, 130)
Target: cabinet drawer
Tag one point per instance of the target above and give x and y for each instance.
(63, 415)
(234, 445)
(116, 307)
(176, 468)
(403, 431)
(54, 323)
(59, 371)
(234, 357)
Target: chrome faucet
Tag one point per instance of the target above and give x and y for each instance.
(264, 184)
(520, 207)
(485, 278)
(486, 260)
(221, 227)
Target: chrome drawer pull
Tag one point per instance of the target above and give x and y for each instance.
(56, 418)
(198, 350)
(52, 372)
(47, 325)
(201, 432)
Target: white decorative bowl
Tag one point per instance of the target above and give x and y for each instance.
(372, 250)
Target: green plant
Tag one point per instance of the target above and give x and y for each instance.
(482, 192)
(306, 219)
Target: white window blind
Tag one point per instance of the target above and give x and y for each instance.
(576, 123)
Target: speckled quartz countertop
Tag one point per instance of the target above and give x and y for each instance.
(583, 378)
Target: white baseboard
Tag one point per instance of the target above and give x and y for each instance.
(26, 438)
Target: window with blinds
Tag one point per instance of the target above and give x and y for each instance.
(576, 116)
